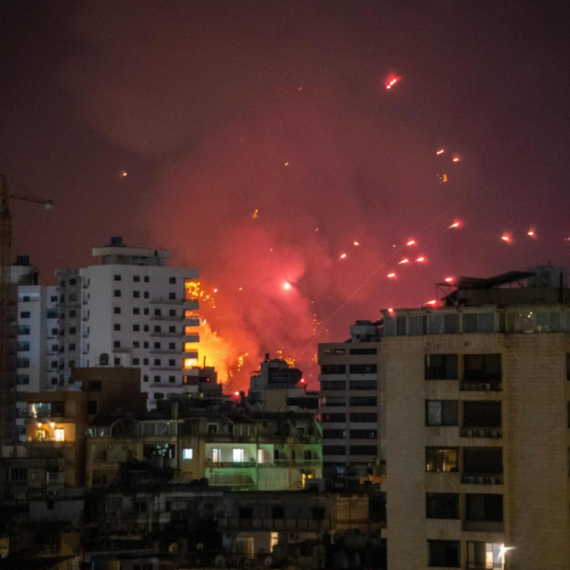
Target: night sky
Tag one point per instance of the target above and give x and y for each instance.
(245, 126)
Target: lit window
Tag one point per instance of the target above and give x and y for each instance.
(190, 363)
(59, 434)
(260, 457)
(216, 455)
(238, 455)
(188, 453)
(189, 347)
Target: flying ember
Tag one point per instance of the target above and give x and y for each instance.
(287, 285)
(391, 275)
(356, 243)
(441, 151)
(506, 238)
(405, 260)
(342, 256)
(433, 302)
(391, 81)
(531, 233)
(411, 242)
(454, 225)
(455, 159)
(420, 259)
(449, 279)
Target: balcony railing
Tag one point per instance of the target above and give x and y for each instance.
(482, 479)
(481, 386)
(276, 524)
(488, 432)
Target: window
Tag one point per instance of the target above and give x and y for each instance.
(238, 455)
(92, 407)
(333, 369)
(25, 314)
(363, 384)
(444, 553)
(157, 328)
(362, 401)
(136, 294)
(23, 379)
(71, 346)
(334, 450)
(172, 296)
(25, 346)
(441, 367)
(435, 324)
(24, 329)
(116, 361)
(136, 361)
(146, 294)
(332, 385)
(136, 311)
(334, 434)
(216, 455)
(117, 293)
(117, 310)
(52, 314)
(333, 401)
(59, 434)
(171, 362)
(212, 429)
(171, 329)
(482, 367)
(318, 513)
(441, 459)
(18, 474)
(172, 280)
(171, 346)
(363, 434)
(136, 344)
(521, 322)
(172, 379)
(145, 328)
(188, 453)
(136, 278)
(145, 378)
(156, 378)
(116, 344)
(361, 417)
(117, 277)
(333, 418)
(442, 505)
(136, 328)
(157, 312)
(363, 369)
(95, 385)
(482, 460)
(481, 414)
(441, 413)
(479, 322)
(480, 507)
(335, 351)
(418, 325)
(116, 327)
(245, 512)
(488, 555)
(146, 279)
(362, 351)
(145, 361)
(25, 363)
(72, 314)
(172, 313)
(145, 311)
(156, 345)
(277, 513)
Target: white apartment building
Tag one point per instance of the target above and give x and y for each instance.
(131, 310)
(478, 418)
(352, 400)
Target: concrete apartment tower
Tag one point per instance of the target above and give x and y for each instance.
(131, 310)
(351, 398)
(477, 436)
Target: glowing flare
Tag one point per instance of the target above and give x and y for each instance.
(506, 238)
(287, 285)
(405, 260)
(391, 81)
(420, 259)
(455, 159)
(124, 174)
(342, 256)
(215, 290)
(255, 214)
(286, 164)
(449, 279)
(411, 242)
(531, 233)
(433, 302)
(391, 310)
(440, 151)
(356, 243)
(391, 275)
(454, 225)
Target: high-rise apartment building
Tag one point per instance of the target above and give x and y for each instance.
(131, 310)
(478, 418)
(351, 399)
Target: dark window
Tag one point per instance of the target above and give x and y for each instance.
(172, 329)
(318, 513)
(117, 277)
(481, 414)
(441, 367)
(117, 310)
(25, 314)
(359, 417)
(332, 384)
(136, 294)
(363, 351)
(157, 328)
(136, 311)
(482, 460)
(441, 459)
(334, 433)
(117, 361)
(441, 413)
(363, 450)
(146, 279)
(278, 513)
(362, 401)
(145, 328)
(334, 351)
(484, 507)
(145, 311)
(117, 292)
(157, 361)
(172, 346)
(172, 296)
(363, 434)
(117, 344)
(172, 280)
(363, 368)
(136, 278)
(401, 326)
(145, 378)
(156, 345)
(482, 367)
(158, 312)
(451, 324)
(145, 361)
(363, 384)
(172, 362)
(172, 313)
(334, 418)
(136, 361)
(444, 553)
(245, 512)
(136, 328)
(333, 369)
(442, 505)
(146, 294)
(116, 327)
(172, 379)
(92, 407)
(334, 450)
(95, 385)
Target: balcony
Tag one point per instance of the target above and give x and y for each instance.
(481, 386)
(230, 464)
(482, 479)
(274, 524)
(482, 432)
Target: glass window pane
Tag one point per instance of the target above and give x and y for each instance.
(434, 413)
(470, 323)
(416, 328)
(435, 324)
(451, 323)
(486, 322)
(449, 413)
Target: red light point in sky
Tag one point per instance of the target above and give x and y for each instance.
(391, 80)
(391, 310)
(391, 275)
(411, 242)
(456, 224)
(506, 238)
(456, 159)
(287, 285)
(449, 279)
(531, 233)
(433, 303)
(440, 151)
(420, 259)
(342, 256)
(356, 243)
(406, 260)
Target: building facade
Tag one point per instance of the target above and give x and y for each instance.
(477, 438)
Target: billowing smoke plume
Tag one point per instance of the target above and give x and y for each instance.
(277, 148)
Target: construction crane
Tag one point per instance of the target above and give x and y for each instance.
(5, 264)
